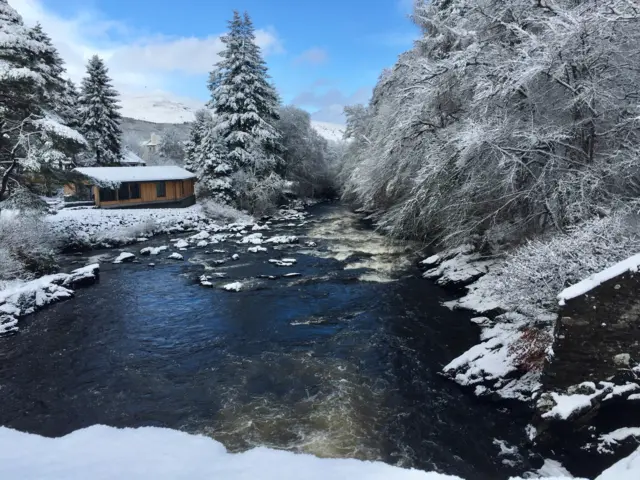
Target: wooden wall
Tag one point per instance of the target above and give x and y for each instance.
(175, 190)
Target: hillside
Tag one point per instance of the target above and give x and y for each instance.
(146, 113)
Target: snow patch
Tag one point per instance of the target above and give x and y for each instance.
(631, 264)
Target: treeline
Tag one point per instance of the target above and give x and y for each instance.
(507, 119)
(245, 148)
(47, 126)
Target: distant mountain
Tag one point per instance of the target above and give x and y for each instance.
(161, 108)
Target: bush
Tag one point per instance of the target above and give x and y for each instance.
(260, 196)
(223, 213)
(28, 245)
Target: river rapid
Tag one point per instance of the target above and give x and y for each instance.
(341, 361)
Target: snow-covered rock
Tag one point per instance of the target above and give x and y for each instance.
(232, 287)
(285, 262)
(256, 249)
(18, 299)
(175, 256)
(235, 256)
(254, 238)
(181, 243)
(282, 239)
(125, 257)
(153, 250)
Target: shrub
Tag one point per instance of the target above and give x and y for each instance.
(27, 240)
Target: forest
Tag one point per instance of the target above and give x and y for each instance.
(512, 126)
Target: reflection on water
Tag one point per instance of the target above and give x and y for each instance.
(323, 364)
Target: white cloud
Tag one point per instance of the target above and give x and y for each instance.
(329, 106)
(135, 60)
(313, 56)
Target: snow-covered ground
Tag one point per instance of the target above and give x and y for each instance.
(20, 298)
(101, 452)
(92, 226)
(158, 107)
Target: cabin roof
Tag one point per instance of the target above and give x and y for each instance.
(115, 175)
(131, 158)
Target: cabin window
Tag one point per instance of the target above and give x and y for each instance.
(134, 190)
(107, 195)
(123, 191)
(161, 189)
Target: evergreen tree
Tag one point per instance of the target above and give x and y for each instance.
(244, 103)
(192, 148)
(32, 134)
(99, 114)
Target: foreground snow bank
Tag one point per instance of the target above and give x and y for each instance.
(18, 299)
(101, 452)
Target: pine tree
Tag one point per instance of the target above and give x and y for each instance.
(32, 134)
(205, 155)
(244, 103)
(192, 148)
(99, 114)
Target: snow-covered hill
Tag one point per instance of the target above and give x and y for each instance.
(160, 107)
(330, 131)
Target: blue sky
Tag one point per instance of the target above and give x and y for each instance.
(322, 54)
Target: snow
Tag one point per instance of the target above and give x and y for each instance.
(284, 262)
(175, 256)
(131, 158)
(181, 243)
(282, 239)
(117, 175)
(619, 435)
(153, 250)
(232, 287)
(492, 358)
(567, 405)
(163, 107)
(101, 452)
(19, 298)
(124, 257)
(254, 238)
(96, 226)
(329, 131)
(256, 249)
(631, 264)
(55, 126)
(626, 469)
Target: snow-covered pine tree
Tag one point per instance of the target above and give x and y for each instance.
(214, 171)
(59, 102)
(244, 103)
(26, 122)
(99, 114)
(192, 148)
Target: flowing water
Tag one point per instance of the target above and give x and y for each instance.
(342, 361)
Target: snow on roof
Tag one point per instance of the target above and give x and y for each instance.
(117, 175)
(631, 264)
(130, 157)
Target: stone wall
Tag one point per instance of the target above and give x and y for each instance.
(597, 334)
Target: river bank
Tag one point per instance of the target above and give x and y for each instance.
(574, 364)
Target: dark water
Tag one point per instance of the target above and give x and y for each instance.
(325, 363)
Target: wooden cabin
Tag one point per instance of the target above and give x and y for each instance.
(134, 187)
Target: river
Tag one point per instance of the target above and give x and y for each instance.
(342, 361)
